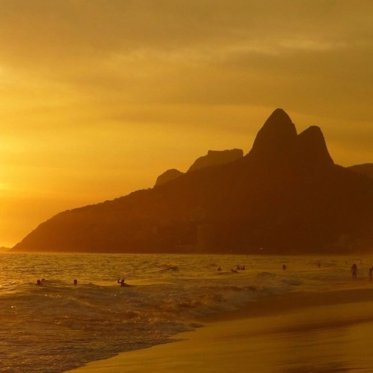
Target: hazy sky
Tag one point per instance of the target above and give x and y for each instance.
(98, 97)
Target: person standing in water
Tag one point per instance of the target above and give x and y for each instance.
(371, 273)
(354, 271)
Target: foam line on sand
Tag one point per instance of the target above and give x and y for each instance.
(307, 332)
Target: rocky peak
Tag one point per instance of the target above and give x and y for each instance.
(312, 149)
(276, 137)
(168, 176)
(216, 158)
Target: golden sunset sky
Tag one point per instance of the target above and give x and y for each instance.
(98, 97)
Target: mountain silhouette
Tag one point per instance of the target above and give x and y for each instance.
(286, 196)
(211, 159)
(363, 169)
(216, 158)
(276, 140)
(312, 149)
(168, 176)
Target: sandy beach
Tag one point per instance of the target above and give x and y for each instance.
(299, 332)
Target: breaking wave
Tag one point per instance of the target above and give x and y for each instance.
(58, 326)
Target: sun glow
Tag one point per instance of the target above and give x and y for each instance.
(98, 102)
(3, 186)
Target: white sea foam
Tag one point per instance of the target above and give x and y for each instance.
(58, 326)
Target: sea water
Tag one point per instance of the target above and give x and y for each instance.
(58, 326)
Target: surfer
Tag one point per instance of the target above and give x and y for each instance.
(371, 273)
(284, 267)
(75, 282)
(121, 282)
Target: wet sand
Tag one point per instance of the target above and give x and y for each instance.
(296, 333)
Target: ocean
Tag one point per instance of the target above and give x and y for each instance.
(58, 326)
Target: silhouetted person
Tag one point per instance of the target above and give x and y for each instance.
(284, 267)
(354, 271)
(121, 282)
(75, 282)
(38, 282)
(371, 273)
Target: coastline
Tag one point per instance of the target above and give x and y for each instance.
(296, 332)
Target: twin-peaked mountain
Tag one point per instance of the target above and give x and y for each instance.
(285, 196)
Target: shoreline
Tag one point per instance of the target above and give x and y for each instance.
(227, 342)
(294, 301)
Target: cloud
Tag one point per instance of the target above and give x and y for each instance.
(46, 31)
(148, 52)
